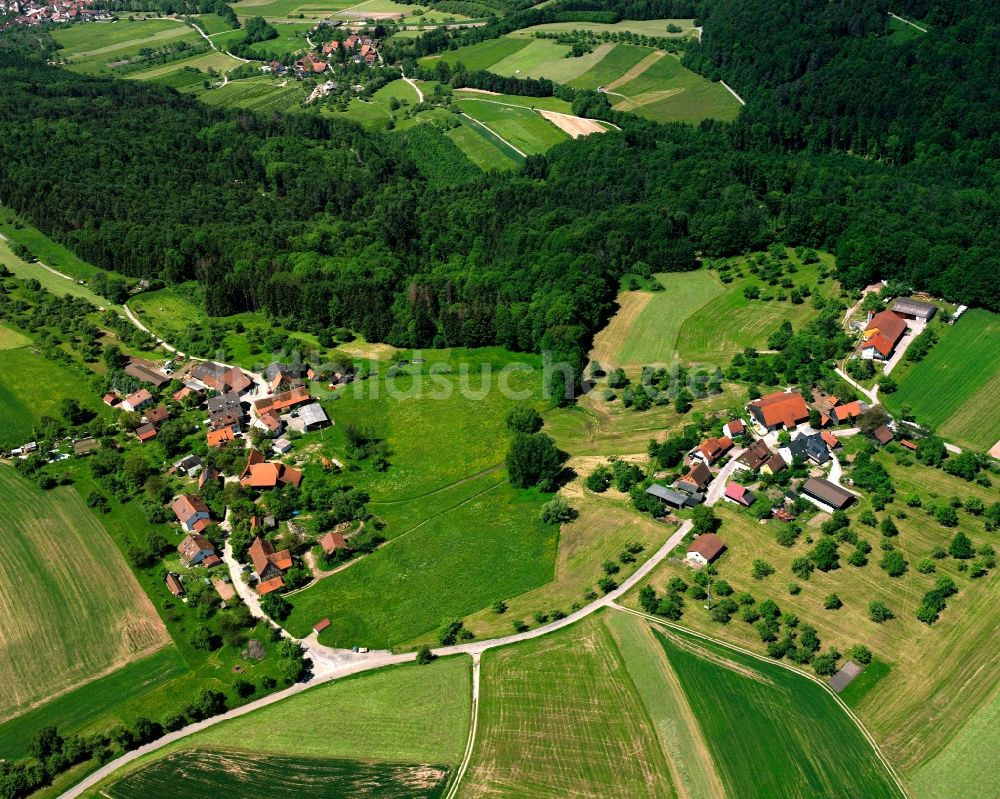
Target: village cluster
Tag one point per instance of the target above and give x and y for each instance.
(356, 49)
(777, 433)
(32, 12)
(237, 402)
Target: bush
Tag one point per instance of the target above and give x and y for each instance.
(794, 589)
(860, 654)
(879, 612)
(894, 563)
(960, 547)
(761, 569)
(424, 656)
(802, 567)
(607, 584)
(826, 665)
(557, 511)
(832, 602)
(926, 566)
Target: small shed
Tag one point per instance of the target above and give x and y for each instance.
(321, 625)
(174, 584)
(845, 676)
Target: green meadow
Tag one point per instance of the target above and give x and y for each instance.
(954, 388)
(522, 127)
(93, 48)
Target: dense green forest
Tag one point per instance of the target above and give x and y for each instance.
(326, 225)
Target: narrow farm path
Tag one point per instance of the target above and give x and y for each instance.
(635, 72)
(470, 745)
(733, 93)
(135, 321)
(413, 83)
(871, 396)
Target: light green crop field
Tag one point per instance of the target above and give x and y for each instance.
(291, 39)
(77, 611)
(402, 715)
(32, 387)
(954, 388)
(282, 9)
(537, 60)
(481, 151)
(543, 103)
(667, 92)
(560, 716)
(522, 127)
(646, 327)
(480, 56)
(11, 340)
(92, 47)
(212, 24)
(648, 27)
(616, 63)
(773, 733)
(494, 140)
(968, 765)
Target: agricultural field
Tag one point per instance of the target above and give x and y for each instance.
(905, 710)
(280, 10)
(645, 27)
(93, 47)
(700, 319)
(646, 327)
(214, 61)
(209, 773)
(397, 723)
(521, 127)
(480, 56)
(139, 688)
(771, 732)
(291, 39)
(560, 716)
(967, 764)
(33, 387)
(544, 58)
(618, 62)
(212, 24)
(77, 612)
(954, 388)
(376, 111)
(667, 92)
(258, 94)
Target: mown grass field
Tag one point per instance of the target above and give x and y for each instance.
(559, 716)
(545, 58)
(773, 733)
(259, 94)
(480, 56)
(77, 611)
(33, 387)
(522, 127)
(212, 23)
(616, 63)
(954, 388)
(91, 48)
(967, 765)
(291, 39)
(208, 774)
(934, 682)
(282, 9)
(481, 150)
(404, 715)
(645, 329)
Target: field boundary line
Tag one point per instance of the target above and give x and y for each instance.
(470, 745)
(913, 24)
(733, 93)
(897, 780)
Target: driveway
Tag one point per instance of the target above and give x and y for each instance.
(718, 486)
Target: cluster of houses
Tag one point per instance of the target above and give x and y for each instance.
(355, 48)
(31, 12)
(768, 454)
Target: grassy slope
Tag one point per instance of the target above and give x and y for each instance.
(44, 248)
(522, 127)
(652, 336)
(773, 733)
(220, 62)
(955, 387)
(559, 716)
(76, 611)
(33, 387)
(480, 150)
(91, 48)
(730, 322)
(450, 514)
